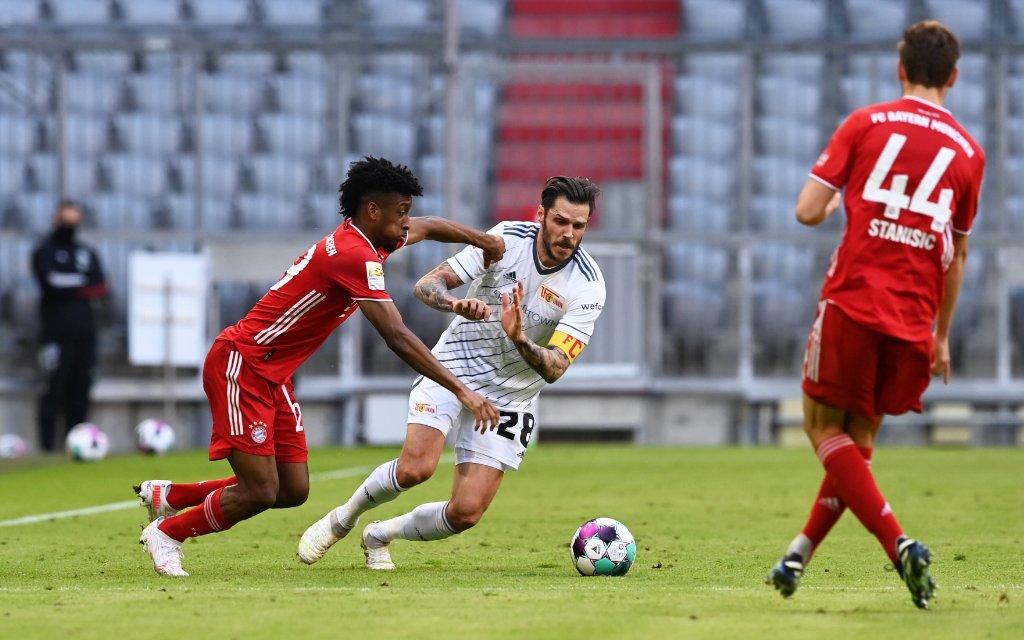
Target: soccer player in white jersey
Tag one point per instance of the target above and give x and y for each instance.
(522, 323)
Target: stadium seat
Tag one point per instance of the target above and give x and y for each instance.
(482, 17)
(84, 134)
(789, 137)
(323, 210)
(775, 213)
(877, 18)
(221, 175)
(265, 212)
(387, 136)
(221, 13)
(12, 175)
(137, 174)
(39, 209)
(159, 93)
(81, 176)
(699, 215)
(406, 64)
(967, 99)
(701, 177)
(236, 94)
(432, 204)
(119, 211)
(148, 132)
(253, 63)
(802, 66)
(714, 65)
(707, 97)
(180, 210)
(292, 13)
(388, 94)
(780, 175)
(224, 134)
(280, 175)
(150, 12)
(308, 63)
(790, 19)
(782, 316)
(713, 19)
(300, 94)
(1015, 212)
(704, 263)
(291, 134)
(783, 263)
(788, 97)
(42, 173)
(701, 137)
(18, 134)
(397, 13)
(114, 63)
(968, 17)
(19, 13)
(693, 315)
(94, 93)
(80, 12)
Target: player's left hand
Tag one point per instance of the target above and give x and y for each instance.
(512, 313)
(940, 358)
(493, 247)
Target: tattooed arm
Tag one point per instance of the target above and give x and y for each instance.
(433, 289)
(551, 361)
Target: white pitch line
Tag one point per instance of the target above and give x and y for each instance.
(336, 474)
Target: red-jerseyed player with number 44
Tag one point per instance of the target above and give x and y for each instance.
(257, 423)
(911, 176)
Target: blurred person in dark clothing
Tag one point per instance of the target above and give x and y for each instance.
(70, 278)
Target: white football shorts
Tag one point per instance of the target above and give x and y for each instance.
(502, 448)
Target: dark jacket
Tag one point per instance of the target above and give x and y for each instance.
(70, 275)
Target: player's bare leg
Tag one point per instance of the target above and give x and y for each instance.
(473, 491)
(415, 465)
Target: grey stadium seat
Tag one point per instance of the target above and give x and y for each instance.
(701, 137)
(12, 175)
(709, 19)
(300, 94)
(789, 137)
(158, 92)
(482, 17)
(795, 18)
(137, 174)
(785, 96)
(388, 94)
(970, 17)
(150, 12)
(81, 176)
(18, 134)
(704, 263)
(292, 134)
(152, 133)
(269, 213)
(784, 263)
(19, 12)
(224, 134)
(775, 213)
(42, 168)
(220, 13)
(255, 63)
(94, 93)
(80, 12)
(701, 177)
(221, 175)
(387, 136)
(699, 215)
(398, 13)
(234, 93)
(877, 18)
(281, 175)
(84, 134)
(110, 62)
(292, 13)
(780, 175)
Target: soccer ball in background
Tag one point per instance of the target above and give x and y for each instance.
(87, 443)
(154, 437)
(12, 446)
(603, 547)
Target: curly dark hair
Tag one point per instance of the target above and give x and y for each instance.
(375, 176)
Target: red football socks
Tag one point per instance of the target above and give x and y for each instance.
(854, 484)
(827, 508)
(198, 521)
(182, 496)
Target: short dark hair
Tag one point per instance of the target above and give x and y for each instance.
(67, 203)
(375, 176)
(928, 53)
(576, 190)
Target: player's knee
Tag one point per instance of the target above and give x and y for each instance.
(413, 472)
(291, 497)
(465, 515)
(259, 496)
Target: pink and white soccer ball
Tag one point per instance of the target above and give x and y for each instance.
(154, 436)
(87, 443)
(12, 446)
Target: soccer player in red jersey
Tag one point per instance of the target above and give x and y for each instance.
(910, 177)
(257, 423)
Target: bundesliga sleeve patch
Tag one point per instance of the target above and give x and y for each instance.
(375, 276)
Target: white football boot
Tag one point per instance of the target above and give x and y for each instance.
(318, 538)
(378, 556)
(165, 551)
(154, 497)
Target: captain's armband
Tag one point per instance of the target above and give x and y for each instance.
(569, 345)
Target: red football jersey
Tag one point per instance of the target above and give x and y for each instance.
(912, 176)
(313, 297)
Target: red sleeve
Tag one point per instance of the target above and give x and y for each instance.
(833, 165)
(967, 207)
(361, 273)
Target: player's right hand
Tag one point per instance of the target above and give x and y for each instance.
(472, 309)
(493, 247)
(487, 417)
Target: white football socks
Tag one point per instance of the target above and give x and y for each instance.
(424, 523)
(802, 546)
(379, 487)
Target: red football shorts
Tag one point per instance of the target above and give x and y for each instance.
(849, 366)
(250, 413)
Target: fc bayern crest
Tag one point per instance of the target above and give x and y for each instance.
(258, 432)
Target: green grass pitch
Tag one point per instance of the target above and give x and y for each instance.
(709, 524)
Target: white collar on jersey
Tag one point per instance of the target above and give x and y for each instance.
(353, 225)
(929, 103)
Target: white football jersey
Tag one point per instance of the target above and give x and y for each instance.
(567, 299)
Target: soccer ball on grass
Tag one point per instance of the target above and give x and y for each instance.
(87, 443)
(603, 547)
(154, 436)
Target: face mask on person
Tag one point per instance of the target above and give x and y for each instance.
(65, 233)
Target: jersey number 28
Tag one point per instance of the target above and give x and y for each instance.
(895, 197)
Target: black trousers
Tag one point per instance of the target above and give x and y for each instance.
(69, 376)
